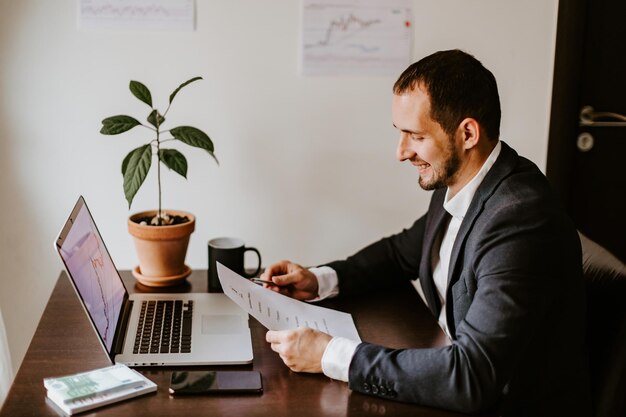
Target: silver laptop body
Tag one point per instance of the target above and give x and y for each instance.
(198, 328)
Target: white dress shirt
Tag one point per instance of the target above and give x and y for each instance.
(338, 354)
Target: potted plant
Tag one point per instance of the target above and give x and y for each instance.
(161, 236)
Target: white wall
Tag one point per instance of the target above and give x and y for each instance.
(307, 164)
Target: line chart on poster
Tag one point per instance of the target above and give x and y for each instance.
(137, 14)
(361, 37)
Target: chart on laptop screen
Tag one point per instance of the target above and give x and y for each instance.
(94, 274)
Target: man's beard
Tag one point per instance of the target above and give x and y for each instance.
(442, 176)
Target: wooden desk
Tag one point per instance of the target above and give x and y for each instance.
(58, 350)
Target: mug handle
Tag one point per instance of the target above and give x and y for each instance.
(258, 269)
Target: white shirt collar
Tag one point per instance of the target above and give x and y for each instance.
(457, 206)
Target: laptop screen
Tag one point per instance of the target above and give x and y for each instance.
(91, 268)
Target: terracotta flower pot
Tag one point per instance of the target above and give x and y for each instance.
(161, 249)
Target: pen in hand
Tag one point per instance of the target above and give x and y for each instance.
(262, 281)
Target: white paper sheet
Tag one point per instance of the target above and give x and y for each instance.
(278, 312)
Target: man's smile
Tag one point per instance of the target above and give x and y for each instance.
(421, 166)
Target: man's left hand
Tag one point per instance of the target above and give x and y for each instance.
(301, 349)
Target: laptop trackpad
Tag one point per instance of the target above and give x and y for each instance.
(221, 324)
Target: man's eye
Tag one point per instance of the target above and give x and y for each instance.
(417, 138)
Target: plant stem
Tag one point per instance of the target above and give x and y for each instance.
(168, 109)
(148, 127)
(158, 143)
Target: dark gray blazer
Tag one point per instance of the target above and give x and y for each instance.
(515, 303)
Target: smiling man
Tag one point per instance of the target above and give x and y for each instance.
(498, 260)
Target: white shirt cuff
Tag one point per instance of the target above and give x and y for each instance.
(337, 357)
(327, 282)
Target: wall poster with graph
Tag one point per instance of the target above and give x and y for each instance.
(356, 37)
(143, 15)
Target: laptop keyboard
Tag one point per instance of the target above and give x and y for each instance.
(164, 327)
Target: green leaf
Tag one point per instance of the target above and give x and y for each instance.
(181, 86)
(136, 170)
(115, 125)
(194, 137)
(155, 118)
(141, 92)
(174, 160)
(125, 162)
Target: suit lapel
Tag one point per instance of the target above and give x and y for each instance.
(506, 162)
(436, 220)
(437, 216)
(501, 168)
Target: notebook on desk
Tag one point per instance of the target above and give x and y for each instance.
(148, 329)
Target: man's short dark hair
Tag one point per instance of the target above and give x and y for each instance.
(459, 86)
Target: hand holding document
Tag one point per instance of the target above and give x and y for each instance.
(278, 312)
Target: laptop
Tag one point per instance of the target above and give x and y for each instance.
(149, 329)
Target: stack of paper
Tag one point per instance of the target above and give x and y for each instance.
(87, 390)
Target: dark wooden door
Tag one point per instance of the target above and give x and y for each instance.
(587, 155)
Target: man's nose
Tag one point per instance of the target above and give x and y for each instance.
(404, 151)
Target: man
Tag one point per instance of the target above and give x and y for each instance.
(498, 260)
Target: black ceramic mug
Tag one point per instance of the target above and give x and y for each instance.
(228, 251)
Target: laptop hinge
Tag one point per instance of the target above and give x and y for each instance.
(120, 337)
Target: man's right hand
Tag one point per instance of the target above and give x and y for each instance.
(291, 280)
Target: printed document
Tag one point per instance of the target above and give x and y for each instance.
(279, 312)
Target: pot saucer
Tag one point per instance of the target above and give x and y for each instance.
(161, 281)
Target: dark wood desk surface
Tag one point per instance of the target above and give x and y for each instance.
(58, 350)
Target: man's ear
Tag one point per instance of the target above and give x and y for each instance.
(469, 129)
